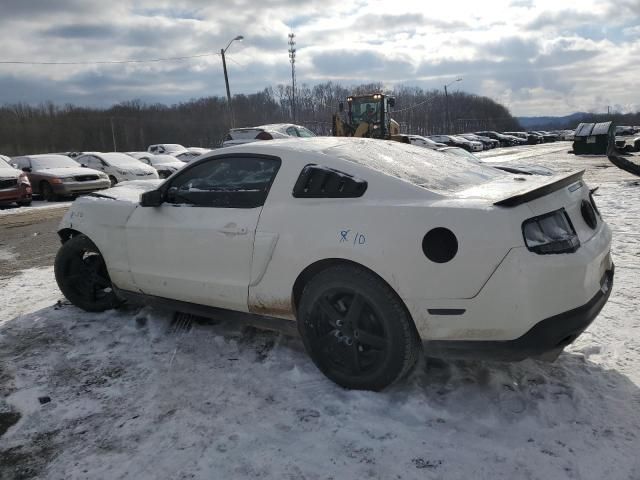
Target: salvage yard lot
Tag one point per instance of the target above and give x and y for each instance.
(141, 394)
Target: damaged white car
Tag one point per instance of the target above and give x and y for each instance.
(374, 248)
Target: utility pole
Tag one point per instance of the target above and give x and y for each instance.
(446, 109)
(226, 77)
(292, 59)
(226, 82)
(113, 135)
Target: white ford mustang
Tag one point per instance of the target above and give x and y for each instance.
(373, 247)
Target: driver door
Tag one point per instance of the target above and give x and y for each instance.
(198, 245)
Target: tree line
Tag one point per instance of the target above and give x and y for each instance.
(204, 122)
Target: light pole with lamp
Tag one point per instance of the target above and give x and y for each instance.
(226, 77)
(446, 100)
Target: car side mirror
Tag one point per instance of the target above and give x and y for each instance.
(154, 198)
(83, 165)
(26, 169)
(341, 107)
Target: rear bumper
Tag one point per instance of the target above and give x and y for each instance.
(549, 335)
(19, 194)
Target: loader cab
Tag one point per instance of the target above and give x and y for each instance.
(371, 110)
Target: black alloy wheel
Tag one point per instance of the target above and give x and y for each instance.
(356, 329)
(82, 275)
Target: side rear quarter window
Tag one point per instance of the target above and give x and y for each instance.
(317, 181)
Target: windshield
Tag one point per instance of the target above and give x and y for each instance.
(305, 132)
(424, 167)
(119, 160)
(52, 161)
(365, 110)
(4, 164)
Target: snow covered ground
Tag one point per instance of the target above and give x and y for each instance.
(35, 205)
(135, 394)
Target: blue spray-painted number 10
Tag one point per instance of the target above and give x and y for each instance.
(356, 238)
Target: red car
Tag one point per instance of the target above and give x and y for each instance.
(14, 184)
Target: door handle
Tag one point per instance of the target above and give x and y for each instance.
(233, 229)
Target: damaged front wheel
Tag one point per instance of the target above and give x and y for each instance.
(82, 275)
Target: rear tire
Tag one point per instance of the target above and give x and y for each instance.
(82, 275)
(356, 329)
(24, 204)
(113, 180)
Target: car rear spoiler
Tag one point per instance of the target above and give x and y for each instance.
(540, 190)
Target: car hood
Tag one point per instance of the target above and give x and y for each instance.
(9, 173)
(128, 191)
(67, 172)
(134, 169)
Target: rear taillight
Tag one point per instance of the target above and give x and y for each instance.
(550, 233)
(264, 136)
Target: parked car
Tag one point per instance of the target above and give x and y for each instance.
(165, 165)
(370, 246)
(455, 141)
(419, 141)
(120, 167)
(14, 184)
(190, 154)
(487, 143)
(516, 140)
(169, 148)
(547, 136)
(238, 136)
(505, 141)
(494, 143)
(54, 176)
(624, 130)
(530, 138)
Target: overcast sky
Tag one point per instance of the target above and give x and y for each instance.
(537, 57)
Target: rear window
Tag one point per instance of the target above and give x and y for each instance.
(426, 168)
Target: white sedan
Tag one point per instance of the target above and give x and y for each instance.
(373, 247)
(164, 164)
(273, 131)
(120, 167)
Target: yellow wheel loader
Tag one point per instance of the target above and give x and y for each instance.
(366, 116)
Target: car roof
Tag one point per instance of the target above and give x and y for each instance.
(44, 155)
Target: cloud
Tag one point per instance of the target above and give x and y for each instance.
(367, 64)
(539, 57)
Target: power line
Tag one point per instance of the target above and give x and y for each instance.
(107, 62)
(412, 106)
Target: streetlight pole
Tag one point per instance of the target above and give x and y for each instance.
(446, 102)
(226, 77)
